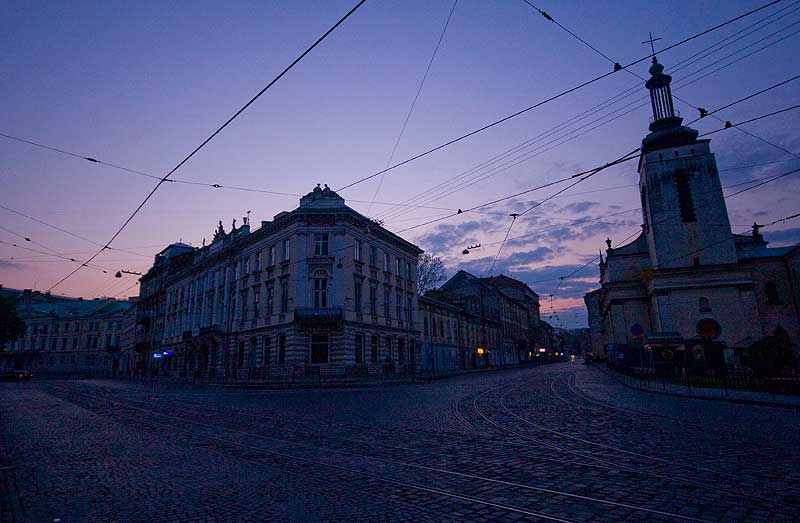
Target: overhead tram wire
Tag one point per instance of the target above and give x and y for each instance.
(594, 109)
(607, 103)
(214, 134)
(204, 184)
(638, 230)
(548, 17)
(60, 229)
(557, 96)
(562, 140)
(615, 162)
(543, 186)
(539, 203)
(765, 21)
(414, 102)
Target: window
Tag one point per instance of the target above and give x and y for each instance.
(387, 293)
(270, 299)
(267, 348)
(284, 297)
(258, 262)
(281, 349)
(425, 326)
(357, 288)
(271, 257)
(357, 251)
(63, 343)
(772, 293)
(373, 256)
(386, 266)
(319, 349)
(373, 300)
(704, 306)
(373, 348)
(320, 292)
(359, 348)
(240, 355)
(321, 244)
(286, 249)
(685, 200)
(388, 349)
(399, 305)
(254, 356)
(399, 266)
(256, 302)
(409, 301)
(74, 343)
(401, 351)
(408, 270)
(246, 265)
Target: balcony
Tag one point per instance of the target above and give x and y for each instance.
(310, 314)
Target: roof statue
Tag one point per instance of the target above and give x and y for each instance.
(219, 233)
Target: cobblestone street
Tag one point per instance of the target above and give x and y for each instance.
(555, 443)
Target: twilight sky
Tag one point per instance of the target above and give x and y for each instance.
(140, 84)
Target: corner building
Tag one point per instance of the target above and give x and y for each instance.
(321, 291)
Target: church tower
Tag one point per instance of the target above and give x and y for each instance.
(685, 217)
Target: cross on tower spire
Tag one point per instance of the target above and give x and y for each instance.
(650, 41)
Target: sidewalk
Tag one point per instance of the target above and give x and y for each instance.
(656, 386)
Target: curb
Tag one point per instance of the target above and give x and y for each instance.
(760, 403)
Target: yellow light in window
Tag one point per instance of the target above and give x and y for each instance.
(480, 351)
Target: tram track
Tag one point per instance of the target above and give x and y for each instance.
(378, 477)
(636, 418)
(638, 470)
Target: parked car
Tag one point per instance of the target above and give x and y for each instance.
(17, 375)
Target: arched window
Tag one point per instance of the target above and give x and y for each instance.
(772, 293)
(704, 305)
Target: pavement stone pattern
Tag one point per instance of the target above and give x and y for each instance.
(562, 442)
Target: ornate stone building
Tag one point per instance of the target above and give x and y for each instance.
(687, 265)
(501, 300)
(319, 291)
(454, 338)
(68, 335)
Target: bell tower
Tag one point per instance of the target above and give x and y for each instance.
(684, 214)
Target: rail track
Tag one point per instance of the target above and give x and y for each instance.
(228, 438)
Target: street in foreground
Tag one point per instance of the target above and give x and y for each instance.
(555, 443)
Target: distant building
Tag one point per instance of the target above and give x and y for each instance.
(68, 335)
(320, 291)
(455, 339)
(505, 300)
(686, 268)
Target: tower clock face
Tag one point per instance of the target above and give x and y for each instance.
(708, 329)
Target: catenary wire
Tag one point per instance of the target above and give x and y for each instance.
(414, 102)
(556, 96)
(213, 135)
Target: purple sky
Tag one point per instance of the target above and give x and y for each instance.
(141, 84)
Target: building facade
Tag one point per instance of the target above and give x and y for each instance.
(503, 300)
(68, 335)
(455, 339)
(320, 291)
(687, 269)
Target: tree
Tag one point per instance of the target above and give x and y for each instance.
(11, 325)
(430, 272)
(774, 355)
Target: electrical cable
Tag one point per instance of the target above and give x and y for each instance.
(213, 135)
(557, 96)
(414, 102)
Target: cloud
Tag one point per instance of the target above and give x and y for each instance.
(578, 207)
(10, 265)
(785, 237)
